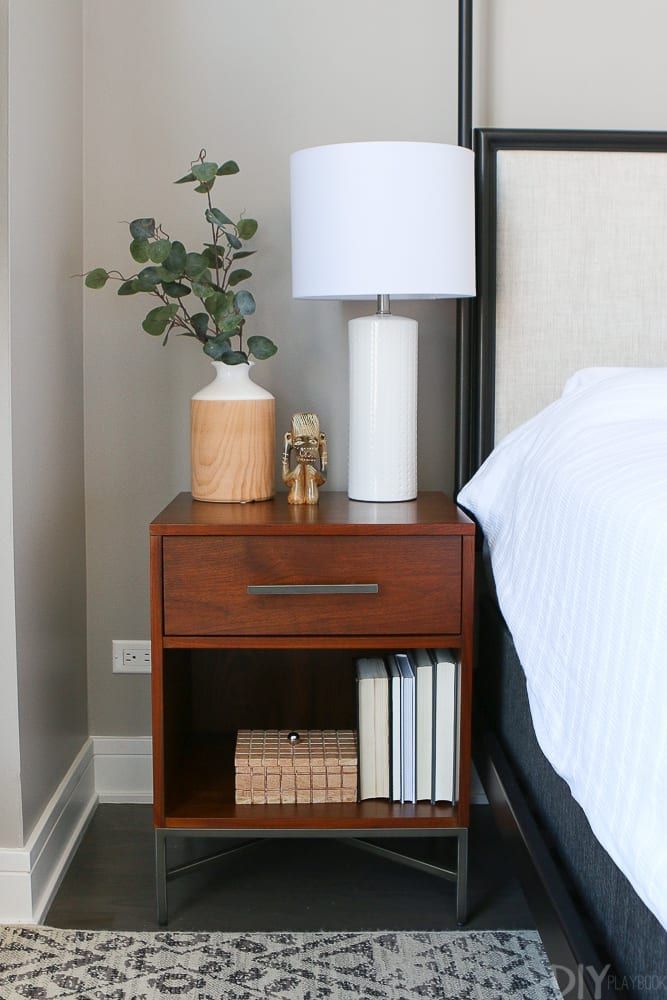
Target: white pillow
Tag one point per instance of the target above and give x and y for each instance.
(586, 377)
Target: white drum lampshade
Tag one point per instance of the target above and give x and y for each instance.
(373, 220)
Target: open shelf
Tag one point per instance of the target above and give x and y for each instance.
(201, 795)
(210, 694)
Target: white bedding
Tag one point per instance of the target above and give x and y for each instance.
(574, 507)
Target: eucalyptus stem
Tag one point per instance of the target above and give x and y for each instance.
(215, 242)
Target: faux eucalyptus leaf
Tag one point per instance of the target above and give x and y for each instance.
(247, 228)
(244, 303)
(240, 254)
(175, 262)
(212, 258)
(195, 264)
(200, 323)
(159, 251)
(175, 289)
(240, 274)
(217, 347)
(217, 218)
(235, 358)
(157, 319)
(205, 187)
(185, 178)
(232, 323)
(233, 241)
(224, 308)
(218, 306)
(228, 167)
(261, 347)
(139, 251)
(205, 172)
(97, 278)
(142, 229)
(148, 278)
(201, 288)
(216, 303)
(128, 287)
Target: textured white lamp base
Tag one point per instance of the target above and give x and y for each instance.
(383, 408)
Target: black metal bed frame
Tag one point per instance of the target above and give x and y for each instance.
(563, 928)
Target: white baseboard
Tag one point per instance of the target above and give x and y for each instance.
(30, 875)
(105, 770)
(123, 768)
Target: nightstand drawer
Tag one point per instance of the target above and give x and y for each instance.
(217, 586)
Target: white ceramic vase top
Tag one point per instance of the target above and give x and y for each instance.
(383, 408)
(232, 382)
(232, 438)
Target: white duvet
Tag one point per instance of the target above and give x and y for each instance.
(574, 507)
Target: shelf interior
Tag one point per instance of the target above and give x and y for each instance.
(210, 694)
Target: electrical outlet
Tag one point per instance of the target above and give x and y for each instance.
(131, 656)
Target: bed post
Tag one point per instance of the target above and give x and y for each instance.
(463, 306)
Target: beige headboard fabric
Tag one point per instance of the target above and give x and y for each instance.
(581, 270)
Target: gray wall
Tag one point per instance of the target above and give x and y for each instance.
(252, 81)
(256, 81)
(45, 225)
(11, 826)
(572, 63)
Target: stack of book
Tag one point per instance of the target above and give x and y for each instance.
(409, 726)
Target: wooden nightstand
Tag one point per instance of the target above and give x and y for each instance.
(311, 588)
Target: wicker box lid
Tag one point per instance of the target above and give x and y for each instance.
(324, 748)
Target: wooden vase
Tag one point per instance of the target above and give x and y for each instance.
(233, 424)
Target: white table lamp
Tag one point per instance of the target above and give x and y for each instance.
(372, 220)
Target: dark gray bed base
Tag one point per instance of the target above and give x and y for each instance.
(586, 910)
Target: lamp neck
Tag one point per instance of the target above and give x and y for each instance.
(383, 306)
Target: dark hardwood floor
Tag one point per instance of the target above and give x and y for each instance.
(279, 885)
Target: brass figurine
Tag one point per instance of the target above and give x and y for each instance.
(310, 445)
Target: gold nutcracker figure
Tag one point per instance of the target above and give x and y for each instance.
(310, 445)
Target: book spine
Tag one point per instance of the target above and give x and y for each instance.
(457, 729)
(434, 701)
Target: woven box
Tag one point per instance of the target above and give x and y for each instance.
(320, 767)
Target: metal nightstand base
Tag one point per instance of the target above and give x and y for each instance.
(353, 838)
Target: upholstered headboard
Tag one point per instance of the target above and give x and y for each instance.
(572, 267)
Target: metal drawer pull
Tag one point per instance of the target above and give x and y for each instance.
(314, 588)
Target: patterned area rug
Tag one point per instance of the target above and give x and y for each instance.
(41, 963)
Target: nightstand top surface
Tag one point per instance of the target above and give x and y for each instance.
(430, 513)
